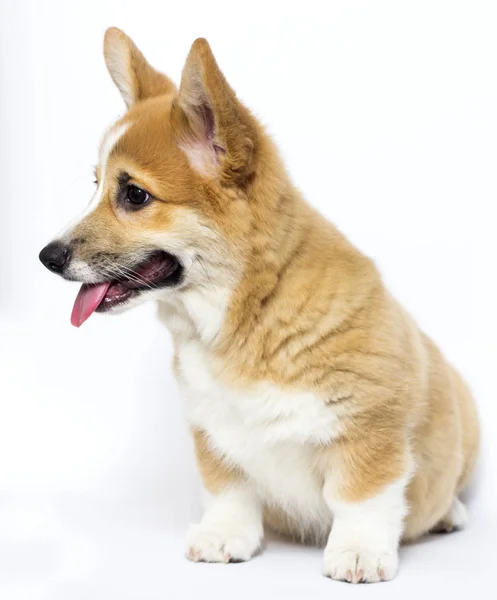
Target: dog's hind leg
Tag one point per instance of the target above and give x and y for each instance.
(456, 518)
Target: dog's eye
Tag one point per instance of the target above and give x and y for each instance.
(136, 195)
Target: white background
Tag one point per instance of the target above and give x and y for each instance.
(386, 113)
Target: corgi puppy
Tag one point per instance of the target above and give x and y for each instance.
(317, 407)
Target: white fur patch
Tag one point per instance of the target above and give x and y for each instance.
(110, 140)
(81, 271)
(204, 307)
(270, 433)
(363, 543)
(457, 517)
(231, 528)
(108, 143)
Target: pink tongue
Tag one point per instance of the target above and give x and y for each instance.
(87, 300)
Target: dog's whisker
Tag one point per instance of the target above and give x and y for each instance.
(120, 270)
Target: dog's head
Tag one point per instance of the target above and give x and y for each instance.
(170, 205)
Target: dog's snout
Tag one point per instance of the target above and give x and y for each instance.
(55, 256)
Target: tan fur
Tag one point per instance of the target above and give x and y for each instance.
(308, 312)
(134, 77)
(216, 473)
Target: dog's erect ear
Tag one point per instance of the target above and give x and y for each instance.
(217, 133)
(134, 77)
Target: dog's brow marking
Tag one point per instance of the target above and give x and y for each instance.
(108, 144)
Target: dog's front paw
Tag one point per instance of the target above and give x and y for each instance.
(359, 565)
(223, 542)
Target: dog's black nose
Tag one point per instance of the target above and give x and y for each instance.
(55, 256)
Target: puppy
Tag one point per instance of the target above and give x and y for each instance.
(316, 405)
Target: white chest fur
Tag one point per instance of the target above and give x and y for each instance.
(268, 432)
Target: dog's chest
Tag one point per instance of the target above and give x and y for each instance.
(272, 434)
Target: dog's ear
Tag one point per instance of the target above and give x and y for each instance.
(134, 77)
(217, 133)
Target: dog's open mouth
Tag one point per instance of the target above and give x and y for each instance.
(161, 269)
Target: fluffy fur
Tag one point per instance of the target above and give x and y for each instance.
(316, 404)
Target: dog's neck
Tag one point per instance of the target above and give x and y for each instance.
(289, 251)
